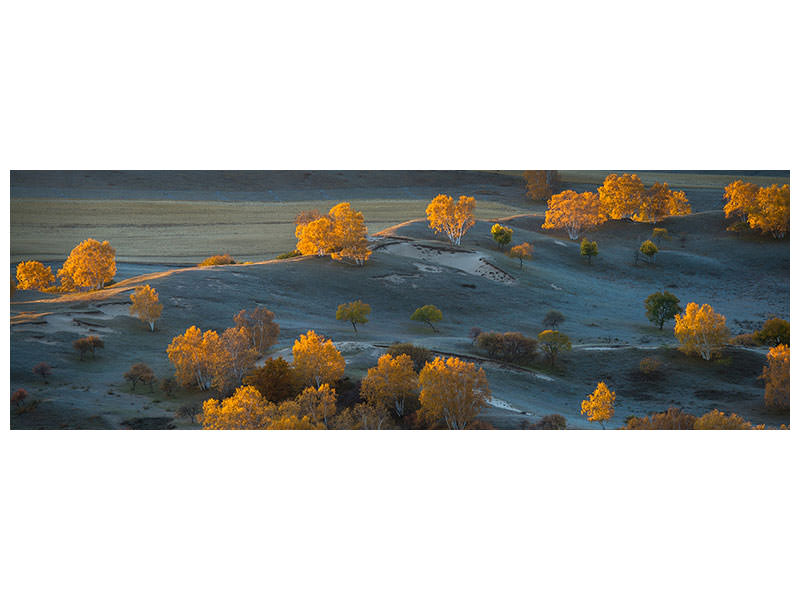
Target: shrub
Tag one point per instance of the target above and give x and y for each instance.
(660, 233)
(474, 333)
(511, 347)
(718, 420)
(749, 340)
(588, 249)
(776, 378)
(43, 370)
(18, 397)
(87, 344)
(553, 421)
(650, 366)
(552, 343)
(673, 418)
(274, 380)
(140, 372)
(217, 259)
(188, 410)
(419, 355)
(553, 319)
(290, 254)
(774, 333)
(649, 249)
(168, 386)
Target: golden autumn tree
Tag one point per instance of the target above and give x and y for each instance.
(392, 383)
(772, 213)
(574, 212)
(701, 331)
(316, 360)
(621, 195)
(341, 234)
(540, 184)
(451, 217)
(599, 405)
(247, 409)
(776, 378)
(741, 200)
(237, 342)
(521, 251)
(199, 358)
(33, 275)
(260, 325)
(719, 420)
(318, 403)
(146, 306)
(660, 202)
(453, 392)
(90, 265)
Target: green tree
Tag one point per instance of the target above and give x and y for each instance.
(552, 343)
(588, 249)
(355, 312)
(649, 249)
(502, 235)
(428, 314)
(660, 307)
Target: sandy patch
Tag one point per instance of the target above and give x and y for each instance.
(473, 263)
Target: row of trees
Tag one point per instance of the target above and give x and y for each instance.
(620, 197)
(90, 265)
(764, 208)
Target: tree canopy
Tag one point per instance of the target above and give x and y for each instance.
(33, 275)
(660, 307)
(355, 312)
(91, 264)
(701, 331)
(341, 234)
(145, 305)
(427, 314)
(452, 218)
(453, 392)
(574, 212)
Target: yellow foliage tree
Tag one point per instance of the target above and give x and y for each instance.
(599, 405)
(621, 195)
(776, 377)
(453, 391)
(660, 202)
(247, 409)
(341, 234)
(741, 199)
(260, 325)
(237, 342)
(521, 251)
(574, 212)
(146, 305)
(200, 358)
(772, 214)
(540, 184)
(33, 275)
(701, 331)
(316, 360)
(452, 218)
(90, 265)
(318, 403)
(392, 383)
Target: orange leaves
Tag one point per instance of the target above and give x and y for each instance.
(772, 213)
(316, 360)
(625, 197)
(146, 305)
(574, 212)
(33, 275)
(719, 420)
(260, 325)
(599, 405)
(318, 403)
(701, 331)
(198, 357)
(392, 383)
(776, 377)
(452, 218)
(522, 251)
(453, 391)
(91, 264)
(341, 234)
(247, 409)
(741, 199)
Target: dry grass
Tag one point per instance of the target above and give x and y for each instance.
(162, 231)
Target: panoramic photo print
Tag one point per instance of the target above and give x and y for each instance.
(399, 299)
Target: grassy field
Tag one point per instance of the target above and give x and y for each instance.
(165, 231)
